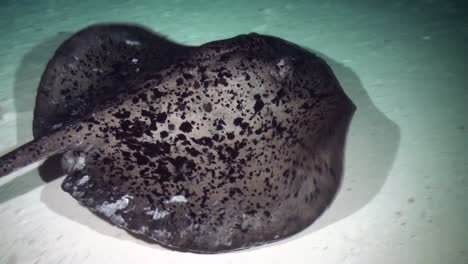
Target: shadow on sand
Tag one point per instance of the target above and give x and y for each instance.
(27, 80)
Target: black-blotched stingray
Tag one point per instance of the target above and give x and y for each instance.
(228, 145)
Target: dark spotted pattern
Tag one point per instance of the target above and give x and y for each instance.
(233, 144)
(95, 65)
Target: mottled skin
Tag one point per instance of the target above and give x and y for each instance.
(232, 144)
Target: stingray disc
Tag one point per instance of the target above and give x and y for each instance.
(228, 145)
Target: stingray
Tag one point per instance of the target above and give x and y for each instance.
(219, 147)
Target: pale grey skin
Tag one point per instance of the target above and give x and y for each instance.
(207, 149)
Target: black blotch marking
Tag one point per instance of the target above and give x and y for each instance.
(179, 81)
(192, 151)
(259, 104)
(238, 121)
(185, 127)
(230, 135)
(204, 141)
(161, 117)
(164, 134)
(207, 107)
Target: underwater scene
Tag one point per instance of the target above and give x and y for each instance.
(233, 131)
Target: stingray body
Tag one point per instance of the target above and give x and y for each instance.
(224, 146)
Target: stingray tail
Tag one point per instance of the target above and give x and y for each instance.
(31, 152)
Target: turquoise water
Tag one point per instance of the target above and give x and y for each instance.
(404, 64)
